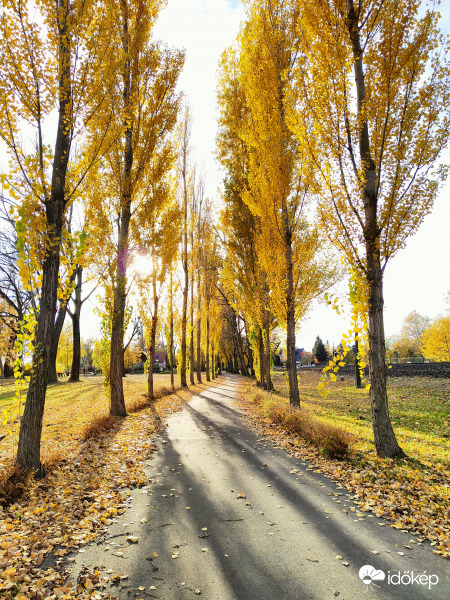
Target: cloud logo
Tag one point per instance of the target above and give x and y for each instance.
(369, 575)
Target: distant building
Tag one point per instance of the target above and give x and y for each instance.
(298, 355)
(160, 360)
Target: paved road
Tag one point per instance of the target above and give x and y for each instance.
(229, 517)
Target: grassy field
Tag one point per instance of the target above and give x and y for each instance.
(419, 409)
(413, 492)
(69, 409)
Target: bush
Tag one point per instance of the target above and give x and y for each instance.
(13, 483)
(329, 439)
(98, 425)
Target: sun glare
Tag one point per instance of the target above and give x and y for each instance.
(142, 264)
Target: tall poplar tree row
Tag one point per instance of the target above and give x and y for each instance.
(372, 107)
(157, 233)
(277, 177)
(241, 274)
(48, 69)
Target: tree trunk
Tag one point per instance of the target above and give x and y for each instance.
(59, 324)
(240, 350)
(191, 338)
(213, 366)
(262, 366)
(152, 348)
(29, 446)
(294, 397)
(172, 358)
(199, 349)
(250, 362)
(269, 384)
(199, 305)
(183, 380)
(117, 406)
(385, 441)
(358, 383)
(208, 376)
(75, 316)
(249, 352)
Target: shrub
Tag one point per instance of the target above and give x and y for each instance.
(329, 439)
(98, 425)
(163, 391)
(13, 483)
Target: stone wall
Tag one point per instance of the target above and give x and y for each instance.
(441, 369)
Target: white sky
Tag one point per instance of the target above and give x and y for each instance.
(416, 279)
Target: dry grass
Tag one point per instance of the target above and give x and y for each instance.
(98, 426)
(331, 441)
(70, 408)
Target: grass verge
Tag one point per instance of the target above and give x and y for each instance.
(330, 440)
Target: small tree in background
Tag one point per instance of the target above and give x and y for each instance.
(319, 350)
(436, 339)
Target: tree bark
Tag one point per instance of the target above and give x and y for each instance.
(183, 380)
(172, 358)
(152, 348)
(199, 330)
(208, 376)
(75, 316)
(29, 446)
(184, 254)
(239, 349)
(294, 397)
(191, 337)
(385, 441)
(358, 383)
(269, 384)
(213, 366)
(262, 365)
(117, 406)
(59, 324)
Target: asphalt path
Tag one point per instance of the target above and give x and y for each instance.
(228, 516)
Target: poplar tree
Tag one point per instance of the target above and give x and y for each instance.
(372, 106)
(184, 167)
(145, 107)
(46, 68)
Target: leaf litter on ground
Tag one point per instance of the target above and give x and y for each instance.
(86, 487)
